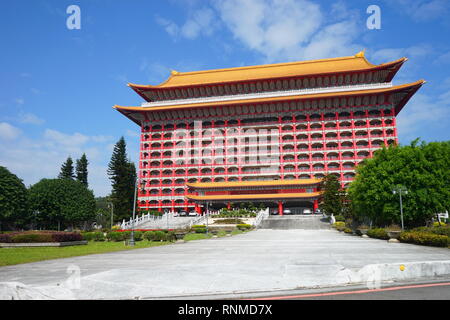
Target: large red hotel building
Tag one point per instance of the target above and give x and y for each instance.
(264, 133)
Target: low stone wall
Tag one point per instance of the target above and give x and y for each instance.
(43, 244)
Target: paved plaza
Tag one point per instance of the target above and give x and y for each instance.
(261, 260)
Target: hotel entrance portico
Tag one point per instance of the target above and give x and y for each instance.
(298, 196)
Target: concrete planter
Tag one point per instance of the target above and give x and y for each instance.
(394, 234)
(180, 235)
(362, 231)
(43, 244)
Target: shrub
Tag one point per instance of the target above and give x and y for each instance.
(198, 226)
(115, 236)
(66, 236)
(149, 235)
(138, 235)
(437, 224)
(31, 237)
(339, 218)
(5, 238)
(378, 233)
(348, 230)
(244, 226)
(424, 238)
(93, 236)
(339, 225)
(40, 236)
(200, 230)
(160, 236)
(170, 236)
(444, 231)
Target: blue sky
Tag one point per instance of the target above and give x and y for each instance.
(58, 86)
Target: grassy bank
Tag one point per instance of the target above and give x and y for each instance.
(11, 256)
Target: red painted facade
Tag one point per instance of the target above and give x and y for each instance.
(282, 138)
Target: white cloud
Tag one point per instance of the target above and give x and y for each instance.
(34, 158)
(443, 59)
(59, 138)
(391, 54)
(30, 118)
(422, 113)
(422, 10)
(280, 30)
(19, 101)
(133, 134)
(8, 132)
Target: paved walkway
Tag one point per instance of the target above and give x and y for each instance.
(256, 261)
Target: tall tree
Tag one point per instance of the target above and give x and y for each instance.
(67, 171)
(424, 169)
(122, 174)
(62, 203)
(13, 200)
(332, 199)
(82, 170)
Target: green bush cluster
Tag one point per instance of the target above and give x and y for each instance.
(444, 230)
(124, 235)
(339, 218)
(339, 225)
(378, 233)
(93, 236)
(225, 213)
(425, 238)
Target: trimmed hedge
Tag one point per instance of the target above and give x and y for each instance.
(200, 230)
(159, 235)
(378, 233)
(424, 238)
(93, 236)
(40, 236)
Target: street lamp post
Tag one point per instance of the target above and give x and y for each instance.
(400, 190)
(206, 213)
(111, 205)
(134, 214)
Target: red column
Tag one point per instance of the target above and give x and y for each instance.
(315, 205)
(280, 208)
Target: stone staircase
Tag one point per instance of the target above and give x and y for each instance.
(305, 222)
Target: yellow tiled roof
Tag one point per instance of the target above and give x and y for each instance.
(255, 196)
(263, 183)
(357, 62)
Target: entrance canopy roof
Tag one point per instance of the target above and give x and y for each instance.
(260, 197)
(247, 184)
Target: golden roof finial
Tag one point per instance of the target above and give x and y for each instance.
(174, 72)
(360, 54)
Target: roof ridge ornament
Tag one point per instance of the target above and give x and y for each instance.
(360, 54)
(174, 72)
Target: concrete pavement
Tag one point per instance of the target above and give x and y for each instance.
(262, 260)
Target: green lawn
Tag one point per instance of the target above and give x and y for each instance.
(11, 256)
(197, 236)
